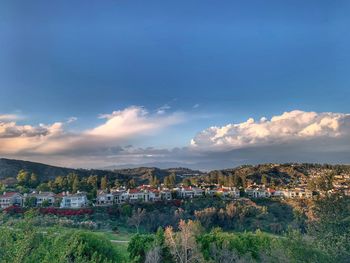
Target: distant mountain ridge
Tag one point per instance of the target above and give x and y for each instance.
(9, 169)
(279, 173)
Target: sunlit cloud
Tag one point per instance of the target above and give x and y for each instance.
(118, 128)
(9, 117)
(295, 136)
(290, 126)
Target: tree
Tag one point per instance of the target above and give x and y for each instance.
(331, 226)
(23, 178)
(169, 181)
(104, 183)
(186, 182)
(164, 249)
(154, 255)
(264, 179)
(153, 181)
(138, 247)
(30, 202)
(137, 217)
(131, 184)
(76, 185)
(34, 181)
(182, 244)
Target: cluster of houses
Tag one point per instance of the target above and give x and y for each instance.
(65, 200)
(145, 193)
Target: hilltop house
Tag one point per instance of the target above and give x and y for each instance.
(42, 197)
(228, 192)
(189, 192)
(10, 198)
(297, 193)
(77, 200)
(104, 199)
(257, 192)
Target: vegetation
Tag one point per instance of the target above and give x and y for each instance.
(25, 243)
(201, 230)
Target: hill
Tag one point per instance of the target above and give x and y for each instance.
(10, 168)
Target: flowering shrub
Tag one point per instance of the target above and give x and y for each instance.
(14, 210)
(84, 224)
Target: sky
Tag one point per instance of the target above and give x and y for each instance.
(202, 84)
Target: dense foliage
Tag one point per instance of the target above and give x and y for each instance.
(24, 243)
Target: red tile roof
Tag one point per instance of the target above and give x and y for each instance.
(8, 194)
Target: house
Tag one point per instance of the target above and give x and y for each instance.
(104, 199)
(210, 192)
(42, 197)
(77, 200)
(226, 192)
(275, 193)
(165, 194)
(257, 192)
(10, 198)
(189, 192)
(297, 193)
(137, 195)
(120, 197)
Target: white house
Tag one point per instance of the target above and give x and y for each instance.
(10, 198)
(257, 192)
(136, 195)
(297, 193)
(228, 192)
(104, 199)
(165, 194)
(77, 200)
(41, 197)
(190, 192)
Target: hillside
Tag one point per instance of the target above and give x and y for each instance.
(10, 168)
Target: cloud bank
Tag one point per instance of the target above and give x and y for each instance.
(119, 127)
(290, 126)
(295, 136)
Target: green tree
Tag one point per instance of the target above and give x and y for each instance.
(131, 184)
(23, 178)
(30, 202)
(331, 226)
(138, 247)
(34, 181)
(153, 181)
(104, 183)
(76, 185)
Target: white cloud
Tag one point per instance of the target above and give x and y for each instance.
(163, 109)
(295, 136)
(131, 121)
(9, 117)
(119, 127)
(72, 119)
(290, 126)
(15, 138)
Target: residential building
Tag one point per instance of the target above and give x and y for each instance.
(42, 197)
(297, 193)
(228, 192)
(257, 192)
(10, 198)
(105, 199)
(77, 200)
(189, 192)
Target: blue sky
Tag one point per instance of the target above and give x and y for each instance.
(213, 63)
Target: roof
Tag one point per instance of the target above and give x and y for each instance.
(42, 194)
(134, 191)
(9, 194)
(223, 190)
